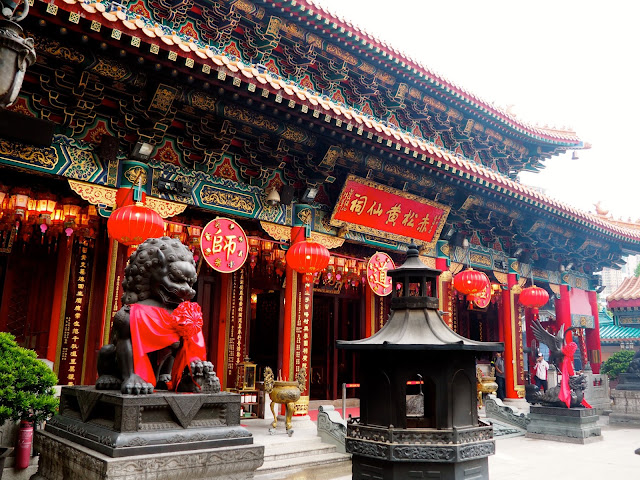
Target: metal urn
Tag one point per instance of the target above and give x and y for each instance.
(284, 392)
(17, 53)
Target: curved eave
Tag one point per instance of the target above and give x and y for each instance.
(353, 36)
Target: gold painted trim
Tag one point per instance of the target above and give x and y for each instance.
(283, 232)
(101, 195)
(63, 308)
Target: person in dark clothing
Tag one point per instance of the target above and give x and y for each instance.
(500, 380)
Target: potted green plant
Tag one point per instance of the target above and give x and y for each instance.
(26, 392)
(616, 364)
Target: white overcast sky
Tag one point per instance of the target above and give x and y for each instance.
(560, 62)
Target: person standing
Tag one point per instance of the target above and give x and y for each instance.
(541, 367)
(500, 379)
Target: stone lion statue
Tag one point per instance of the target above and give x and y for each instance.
(158, 283)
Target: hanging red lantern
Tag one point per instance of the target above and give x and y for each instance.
(470, 281)
(133, 224)
(534, 297)
(308, 257)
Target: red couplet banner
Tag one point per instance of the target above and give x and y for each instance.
(369, 207)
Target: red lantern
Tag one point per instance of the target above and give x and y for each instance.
(534, 297)
(470, 281)
(308, 257)
(133, 224)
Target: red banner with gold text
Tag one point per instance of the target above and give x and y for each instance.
(369, 207)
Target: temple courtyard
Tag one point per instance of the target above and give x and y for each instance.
(516, 457)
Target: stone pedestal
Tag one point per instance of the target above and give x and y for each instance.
(626, 407)
(63, 459)
(108, 435)
(569, 425)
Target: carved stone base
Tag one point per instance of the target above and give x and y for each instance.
(625, 408)
(388, 453)
(118, 425)
(569, 425)
(61, 458)
(629, 381)
(368, 468)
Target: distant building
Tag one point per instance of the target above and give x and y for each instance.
(612, 278)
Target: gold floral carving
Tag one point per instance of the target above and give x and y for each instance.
(516, 289)
(445, 249)
(555, 288)
(331, 48)
(56, 49)
(135, 175)
(294, 134)
(101, 195)
(163, 98)
(94, 194)
(203, 101)
(237, 113)
(277, 231)
(283, 232)
(480, 259)
(455, 267)
(428, 261)
(501, 277)
(165, 208)
(374, 162)
(403, 172)
(446, 276)
(304, 215)
(40, 157)
(231, 200)
(111, 69)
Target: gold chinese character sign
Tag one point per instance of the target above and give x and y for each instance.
(377, 267)
(224, 245)
(369, 207)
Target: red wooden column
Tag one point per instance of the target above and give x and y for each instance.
(593, 336)
(298, 313)
(444, 283)
(61, 285)
(563, 311)
(512, 325)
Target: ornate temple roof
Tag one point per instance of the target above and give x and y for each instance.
(627, 294)
(350, 33)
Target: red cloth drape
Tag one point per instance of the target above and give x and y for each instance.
(155, 328)
(567, 370)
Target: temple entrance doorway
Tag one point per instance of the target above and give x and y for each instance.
(334, 318)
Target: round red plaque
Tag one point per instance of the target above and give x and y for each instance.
(482, 298)
(377, 267)
(224, 245)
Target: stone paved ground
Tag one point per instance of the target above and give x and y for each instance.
(520, 458)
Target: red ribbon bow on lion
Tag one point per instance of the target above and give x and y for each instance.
(155, 328)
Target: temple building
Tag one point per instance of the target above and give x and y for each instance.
(622, 332)
(283, 118)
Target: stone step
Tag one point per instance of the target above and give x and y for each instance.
(273, 469)
(306, 448)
